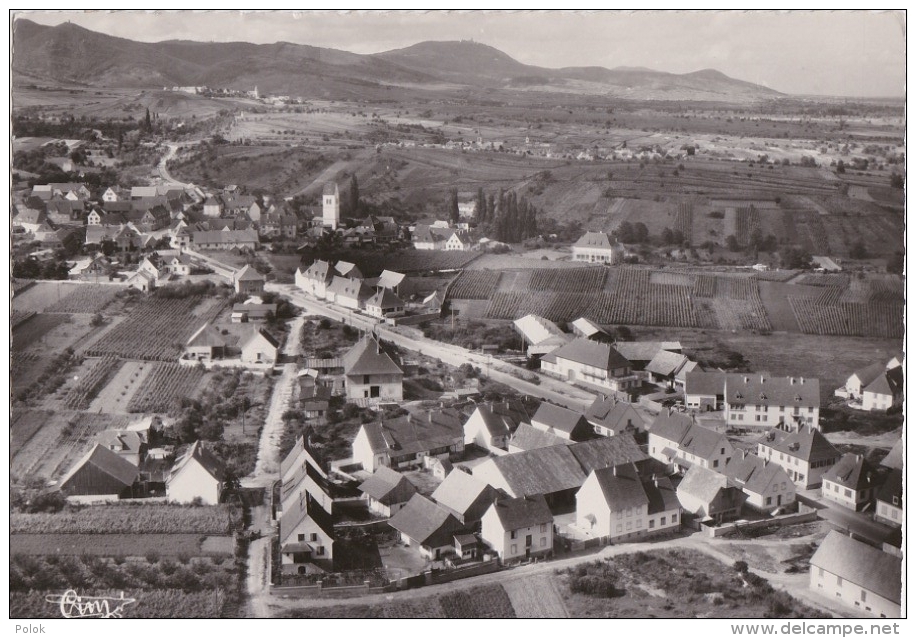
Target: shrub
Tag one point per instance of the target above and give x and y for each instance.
(741, 566)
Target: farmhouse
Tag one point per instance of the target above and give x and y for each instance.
(427, 526)
(225, 239)
(709, 495)
(306, 536)
(670, 368)
(595, 247)
(387, 491)
(557, 472)
(518, 528)
(101, 475)
(675, 439)
(491, 424)
(466, 497)
(766, 484)
(889, 501)
(259, 347)
(561, 422)
(129, 445)
(206, 344)
(640, 353)
(248, 281)
(348, 293)
(860, 379)
(617, 503)
(196, 476)
(805, 455)
(370, 373)
(851, 482)
(760, 401)
(608, 417)
(597, 364)
(861, 577)
(405, 442)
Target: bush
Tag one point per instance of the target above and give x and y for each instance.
(741, 567)
(596, 579)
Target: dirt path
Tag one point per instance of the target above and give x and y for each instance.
(258, 584)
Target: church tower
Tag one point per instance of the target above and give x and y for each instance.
(330, 211)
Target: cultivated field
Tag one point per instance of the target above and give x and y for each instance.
(149, 518)
(165, 383)
(116, 395)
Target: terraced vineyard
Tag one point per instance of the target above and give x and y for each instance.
(583, 280)
(683, 221)
(638, 301)
(86, 298)
(747, 220)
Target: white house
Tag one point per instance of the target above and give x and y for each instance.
(766, 484)
(306, 536)
(594, 247)
(885, 391)
(384, 303)
(370, 373)
(859, 576)
(709, 495)
(248, 281)
(851, 482)
(314, 280)
(518, 528)
(405, 442)
(491, 424)
(857, 382)
(616, 503)
(259, 346)
(675, 439)
(459, 240)
(464, 496)
(387, 491)
(761, 401)
(112, 194)
(428, 527)
(889, 501)
(196, 475)
(805, 455)
(609, 416)
(562, 422)
(597, 364)
(213, 207)
(704, 391)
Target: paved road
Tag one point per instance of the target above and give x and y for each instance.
(164, 169)
(847, 520)
(409, 339)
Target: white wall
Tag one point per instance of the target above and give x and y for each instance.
(850, 594)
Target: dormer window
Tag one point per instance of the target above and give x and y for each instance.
(738, 395)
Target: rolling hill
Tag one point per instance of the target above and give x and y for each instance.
(68, 53)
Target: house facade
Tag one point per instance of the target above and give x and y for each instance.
(889, 501)
(370, 373)
(407, 442)
(759, 401)
(805, 455)
(196, 476)
(851, 482)
(766, 484)
(518, 528)
(259, 347)
(676, 440)
(597, 364)
(595, 247)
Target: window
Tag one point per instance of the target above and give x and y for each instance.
(848, 493)
(722, 451)
(619, 527)
(543, 527)
(651, 523)
(301, 538)
(320, 551)
(513, 549)
(674, 518)
(512, 534)
(638, 523)
(629, 525)
(629, 512)
(313, 537)
(862, 597)
(543, 541)
(664, 518)
(715, 463)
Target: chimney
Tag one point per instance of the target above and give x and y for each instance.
(614, 470)
(791, 380)
(801, 380)
(763, 379)
(746, 380)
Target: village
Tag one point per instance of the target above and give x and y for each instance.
(471, 484)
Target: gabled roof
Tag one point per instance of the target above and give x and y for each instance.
(425, 522)
(207, 336)
(320, 270)
(587, 352)
(106, 461)
(349, 288)
(851, 471)
(894, 458)
(882, 385)
(667, 363)
(892, 488)
(621, 486)
(671, 427)
(348, 269)
(199, 454)
(752, 473)
(259, 333)
(807, 444)
(559, 418)
(368, 356)
(612, 414)
(527, 437)
(390, 279)
(705, 383)
(301, 508)
(869, 373)
(760, 389)
(411, 434)
(702, 442)
(552, 469)
(384, 298)
(225, 237)
(863, 565)
(501, 418)
(388, 487)
(30, 216)
(464, 495)
(536, 329)
(702, 484)
(645, 350)
(522, 512)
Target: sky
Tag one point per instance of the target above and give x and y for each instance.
(851, 53)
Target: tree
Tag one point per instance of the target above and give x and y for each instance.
(731, 242)
(857, 250)
(896, 180)
(354, 194)
(147, 123)
(793, 257)
(453, 206)
(895, 263)
(840, 167)
(667, 236)
(481, 206)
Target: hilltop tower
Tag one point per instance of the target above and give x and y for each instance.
(330, 212)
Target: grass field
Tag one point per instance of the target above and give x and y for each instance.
(149, 518)
(120, 544)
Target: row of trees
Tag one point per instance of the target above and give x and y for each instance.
(505, 216)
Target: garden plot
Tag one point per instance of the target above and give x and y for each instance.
(116, 396)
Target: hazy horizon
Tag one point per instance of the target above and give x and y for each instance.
(856, 54)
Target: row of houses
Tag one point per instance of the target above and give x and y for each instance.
(344, 285)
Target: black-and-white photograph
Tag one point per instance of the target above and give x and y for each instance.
(458, 315)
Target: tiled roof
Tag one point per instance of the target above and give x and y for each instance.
(558, 418)
(622, 487)
(410, 434)
(851, 471)
(667, 363)
(595, 240)
(368, 357)
(197, 452)
(758, 389)
(612, 414)
(384, 298)
(388, 487)
(465, 496)
(705, 383)
(863, 565)
(894, 458)
(752, 473)
(892, 487)
(247, 273)
(587, 352)
(528, 437)
(425, 522)
(107, 462)
(702, 483)
(207, 336)
(644, 350)
(807, 444)
(522, 512)
(259, 333)
(536, 329)
(501, 418)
